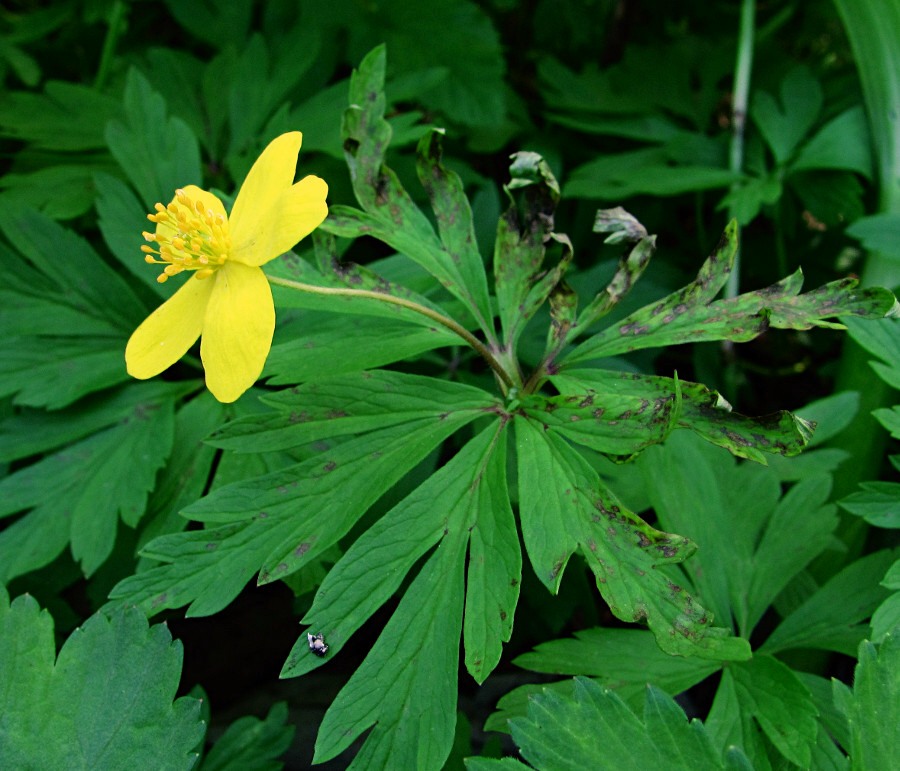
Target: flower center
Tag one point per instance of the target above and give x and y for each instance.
(188, 236)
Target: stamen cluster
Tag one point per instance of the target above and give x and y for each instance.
(190, 237)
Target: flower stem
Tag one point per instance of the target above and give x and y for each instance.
(444, 321)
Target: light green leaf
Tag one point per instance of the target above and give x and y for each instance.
(878, 233)
(63, 191)
(873, 707)
(595, 729)
(251, 744)
(769, 690)
(877, 502)
(275, 524)
(108, 701)
(829, 618)
(785, 122)
(410, 707)
(842, 143)
(563, 503)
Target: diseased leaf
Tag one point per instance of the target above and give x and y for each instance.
(593, 728)
(688, 316)
(452, 503)
(563, 504)
(277, 523)
(107, 701)
(346, 404)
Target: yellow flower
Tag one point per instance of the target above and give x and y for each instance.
(227, 299)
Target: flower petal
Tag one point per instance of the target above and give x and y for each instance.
(269, 177)
(237, 330)
(167, 333)
(298, 212)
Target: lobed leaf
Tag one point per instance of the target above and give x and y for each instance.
(107, 701)
(563, 504)
(251, 744)
(280, 522)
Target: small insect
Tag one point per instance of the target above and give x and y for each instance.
(317, 644)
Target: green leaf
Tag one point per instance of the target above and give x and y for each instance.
(68, 116)
(92, 484)
(873, 708)
(877, 502)
(563, 504)
(276, 525)
(62, 191)
(157, 152)
(348, 345)
(878, 233)
(829, 618)
(595, 729)
(770, 691)
(451, 503)
(785, 123)
(220, 27)
(411, 707)
(390, 214)
(831, 196)
(649, 171)
(842, 143)
(347, 404)
(108, 701)
(688, 315)
(625, 660)
(251, 744)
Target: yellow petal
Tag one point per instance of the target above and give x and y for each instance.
(210, 201)
(237, 330)
(167, 333)
(270, 176)
(298, 212)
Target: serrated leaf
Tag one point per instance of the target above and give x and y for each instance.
(353, 403)
(769, 690)
(411, 709)
(873, 708)
(595, 729)
(108, 701)
(251, 744)
(563, 504)
(278, 523)
(93, 483)
(829, 618)
(157, 152)
(453, 502)
(688, 315)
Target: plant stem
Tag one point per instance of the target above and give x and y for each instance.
(449, 323)
(740, 96)
(115, 25)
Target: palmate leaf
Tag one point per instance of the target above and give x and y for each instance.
(564, 506)
(690, 315)
(413, 707)
(390, 215)
(107, 701)
(277, 523)
(591, 727)
(78, 494)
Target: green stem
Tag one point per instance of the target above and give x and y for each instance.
(740, 99)
(113, 31)
(449, 323)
